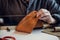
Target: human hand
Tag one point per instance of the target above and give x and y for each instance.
(45, 16)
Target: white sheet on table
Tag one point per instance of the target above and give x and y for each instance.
(35, 35)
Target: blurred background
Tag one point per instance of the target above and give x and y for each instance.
(13, 19)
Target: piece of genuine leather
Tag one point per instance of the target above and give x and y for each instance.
(28, 23)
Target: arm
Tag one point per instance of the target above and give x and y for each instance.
(54, 8)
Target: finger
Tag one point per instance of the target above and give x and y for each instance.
(46, 12)
(39, 14)
(45, 18)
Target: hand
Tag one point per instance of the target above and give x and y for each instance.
(45, 16)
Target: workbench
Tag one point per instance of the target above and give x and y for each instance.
(35, 35)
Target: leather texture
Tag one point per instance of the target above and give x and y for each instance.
(28, 23)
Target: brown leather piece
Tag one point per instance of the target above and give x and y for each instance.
(28, 23)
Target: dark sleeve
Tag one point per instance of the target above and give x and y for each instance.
(0, 8)
(1, 22)
(54, 8)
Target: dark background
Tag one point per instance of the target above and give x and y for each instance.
(58, 1)
(12, 22)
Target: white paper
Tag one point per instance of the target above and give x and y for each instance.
(35, 35)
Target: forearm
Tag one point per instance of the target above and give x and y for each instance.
(54, 9)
